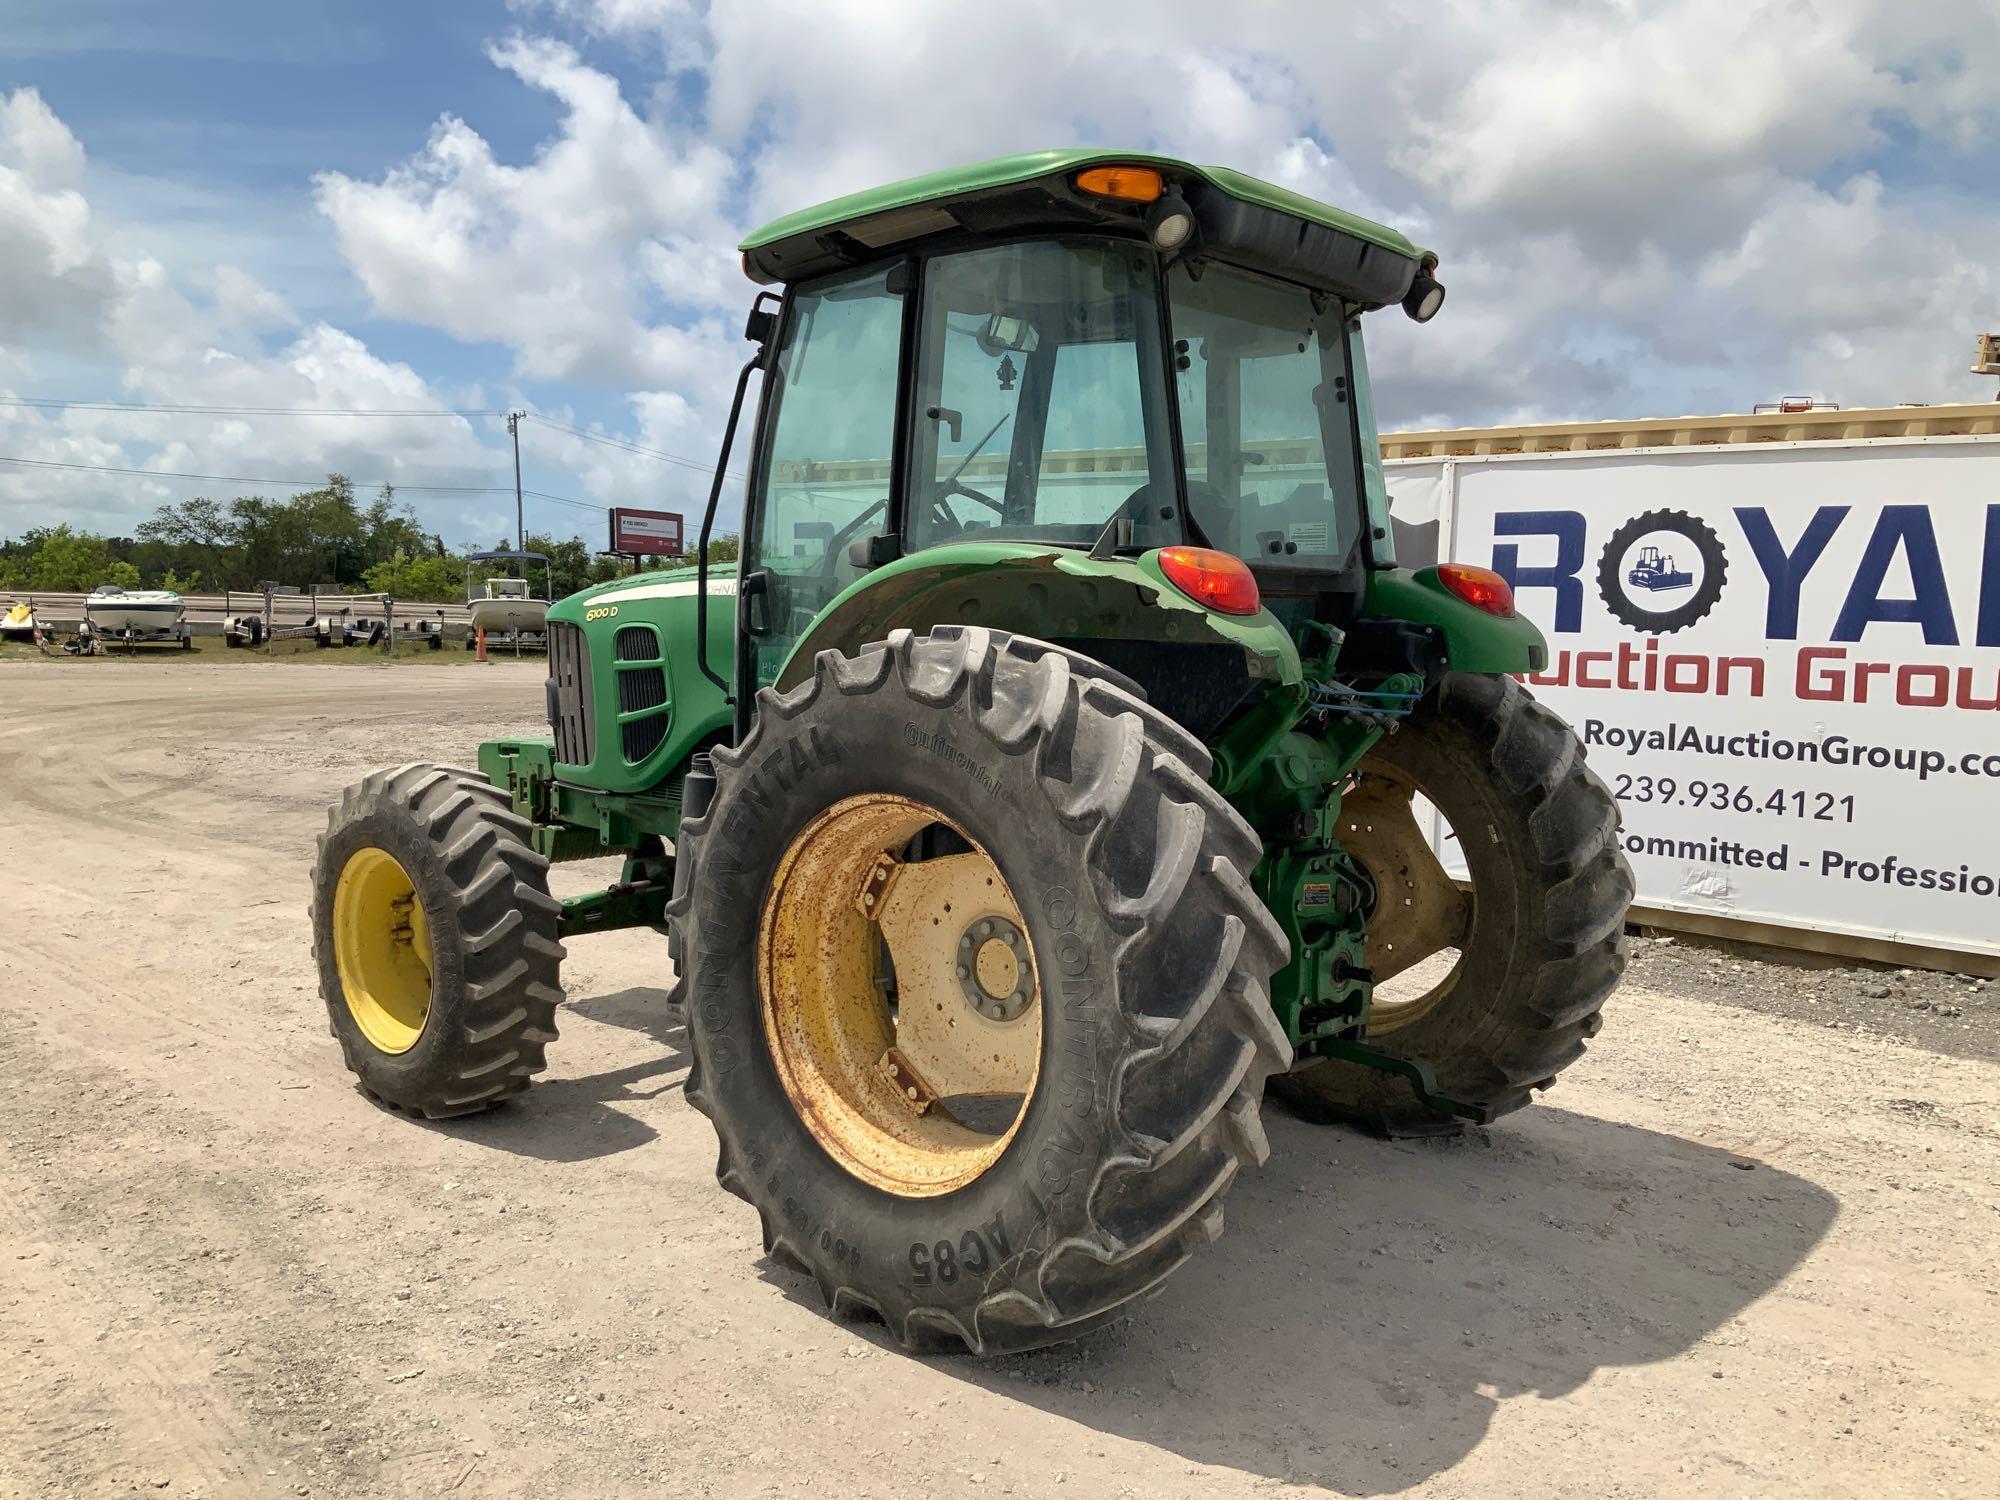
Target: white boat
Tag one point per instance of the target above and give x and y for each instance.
(507, 606)
(112, 610)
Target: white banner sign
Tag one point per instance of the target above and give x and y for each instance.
(1785, 662)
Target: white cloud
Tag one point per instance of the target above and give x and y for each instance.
(1585, 169)
(65, 290)
(563, 259)
(1849, 279)
(35, 142)
(1642, 208)
(54, 286)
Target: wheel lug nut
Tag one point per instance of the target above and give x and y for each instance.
(964, 972)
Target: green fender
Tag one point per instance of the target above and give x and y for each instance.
(1474, 640)
(1037, 590)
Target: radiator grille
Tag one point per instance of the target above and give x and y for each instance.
(641, 737)
(638, 643)
(572, 704)
(641, 688)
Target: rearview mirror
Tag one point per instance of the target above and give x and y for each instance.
(1003, 335)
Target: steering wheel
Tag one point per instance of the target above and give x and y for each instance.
(953, 486)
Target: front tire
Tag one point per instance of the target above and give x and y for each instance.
(1146, 953)
(435, 936)
(1540, 937)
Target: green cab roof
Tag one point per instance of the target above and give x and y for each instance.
(1009, 171)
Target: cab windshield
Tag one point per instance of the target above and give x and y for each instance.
(1040, 412)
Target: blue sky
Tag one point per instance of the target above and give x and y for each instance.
(1643, 209)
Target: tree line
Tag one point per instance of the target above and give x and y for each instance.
(323, 537)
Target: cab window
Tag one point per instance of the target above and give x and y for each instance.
(827, 457)
(1040, 412)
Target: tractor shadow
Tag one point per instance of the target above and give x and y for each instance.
(1372, 1304)
(572, 1119)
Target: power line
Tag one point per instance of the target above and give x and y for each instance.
(629, 447)
(51, 403)
(302, 484)
(590, 505)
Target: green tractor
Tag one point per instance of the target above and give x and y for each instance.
(1067, 758)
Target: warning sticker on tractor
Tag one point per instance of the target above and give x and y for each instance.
(1316, 893)
(1308, 536)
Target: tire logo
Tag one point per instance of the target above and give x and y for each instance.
(1662, 571)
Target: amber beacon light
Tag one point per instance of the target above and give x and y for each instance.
(1133, 184)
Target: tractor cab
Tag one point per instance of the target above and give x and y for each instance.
(1148, 355)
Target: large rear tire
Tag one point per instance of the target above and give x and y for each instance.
(435, 936)
(1540, 938)
(1092, 845)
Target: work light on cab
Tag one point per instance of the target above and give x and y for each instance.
(1426, 293)
(1482, 588)
(1217, 579)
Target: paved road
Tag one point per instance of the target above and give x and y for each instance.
(1733, 1254)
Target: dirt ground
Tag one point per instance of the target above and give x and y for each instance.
(1748, 1246)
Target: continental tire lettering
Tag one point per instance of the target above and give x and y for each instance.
(939, 743)
(785, 765)
(722, 1054)
(1060, 906)
(1061, 1160)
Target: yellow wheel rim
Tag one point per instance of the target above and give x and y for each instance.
(900, 999)
(1420, 910)
(382, 948)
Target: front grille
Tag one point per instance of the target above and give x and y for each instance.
(572, 703)
(637, 643)
(641, 688)
(641, 737)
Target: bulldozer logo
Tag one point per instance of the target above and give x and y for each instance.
(1662, 571)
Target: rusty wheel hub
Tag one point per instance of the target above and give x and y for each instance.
(900, 997)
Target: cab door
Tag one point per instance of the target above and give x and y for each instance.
(824, 474)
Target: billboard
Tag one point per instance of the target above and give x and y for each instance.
(1783, 659)
(646, 533)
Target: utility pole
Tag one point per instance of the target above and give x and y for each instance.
(520, 527)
